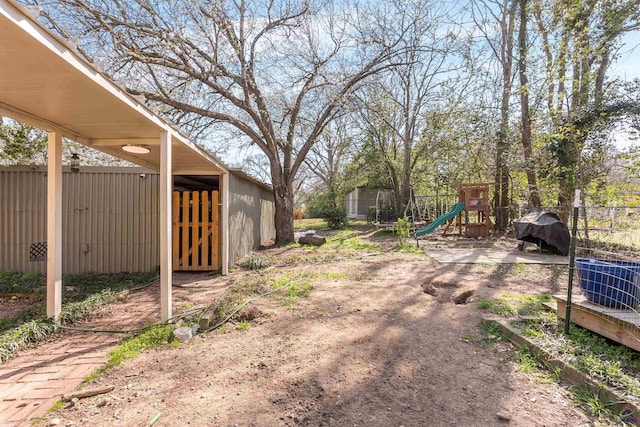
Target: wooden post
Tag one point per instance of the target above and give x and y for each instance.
(54, 226)
(224, 223)
(166, 189)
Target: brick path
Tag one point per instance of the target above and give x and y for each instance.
(36, 379)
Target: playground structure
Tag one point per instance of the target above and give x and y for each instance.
(473, 206)
(476, 209)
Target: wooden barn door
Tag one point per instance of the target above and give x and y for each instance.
(195, 231)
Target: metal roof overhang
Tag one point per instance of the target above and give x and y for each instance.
(46, 83)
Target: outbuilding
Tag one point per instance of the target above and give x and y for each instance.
(110, 220)
(45, 82)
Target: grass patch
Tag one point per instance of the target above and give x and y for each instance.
(496, 307)
(512, 304)
(350, 241)
(604, 361)
(249, 285)
(407, 248)
(243, 326)
(529, 364)
(38, 420)
(78, 287)
(492, 333)
(599, 408)
(36, 311)
(384, 233)
(15, 339)
(131, 347)
(334, 275)
(256, 262)
(343, 235)
(25, 284)
(293, 286)
(310, 224)
(311, 256)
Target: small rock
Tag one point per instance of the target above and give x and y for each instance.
(532, 400)
(54, 422)
(428, 288)
(503, 415)
(102, 403)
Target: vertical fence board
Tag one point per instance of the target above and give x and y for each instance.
(176, 230)
(215, 225)
(195, 229)
(185, 230)
(205, 264)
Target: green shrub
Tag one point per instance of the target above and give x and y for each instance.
(324, 206)
(12, 282)
(404, 230)
(256, 262)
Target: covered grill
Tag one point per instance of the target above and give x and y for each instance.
(544, 229)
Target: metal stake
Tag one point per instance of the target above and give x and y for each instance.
(572, 258)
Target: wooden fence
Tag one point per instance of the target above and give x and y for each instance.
(195, 231)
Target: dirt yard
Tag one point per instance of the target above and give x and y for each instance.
(367, 347)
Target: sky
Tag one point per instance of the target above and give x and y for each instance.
(628, 64)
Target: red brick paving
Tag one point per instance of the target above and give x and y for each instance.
(34, 380)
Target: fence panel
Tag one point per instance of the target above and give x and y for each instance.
(607, 274)
(195, 231)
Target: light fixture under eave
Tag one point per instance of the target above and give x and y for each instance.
(75, 163)
(136, 149)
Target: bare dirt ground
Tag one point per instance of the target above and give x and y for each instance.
(368, 347)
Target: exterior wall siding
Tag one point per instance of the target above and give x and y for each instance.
(251, 221)
(109, 216)
(110, 219)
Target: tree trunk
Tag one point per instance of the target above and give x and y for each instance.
(534, 194)
(501, 188)
(283, 197)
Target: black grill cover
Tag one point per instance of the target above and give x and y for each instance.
(545, 229)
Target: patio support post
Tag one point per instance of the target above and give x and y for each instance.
(224, 224)
(166, 188)
(54, 225)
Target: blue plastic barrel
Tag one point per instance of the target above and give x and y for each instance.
(611, 283)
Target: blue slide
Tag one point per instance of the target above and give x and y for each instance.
(455, 210)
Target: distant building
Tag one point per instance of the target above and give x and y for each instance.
(359, 201)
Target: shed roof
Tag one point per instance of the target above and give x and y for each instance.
(44, 81)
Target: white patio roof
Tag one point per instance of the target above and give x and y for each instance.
(45, 82)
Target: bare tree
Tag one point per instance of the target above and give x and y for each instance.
(525, 115)
(278, 72)
(496, 21)
(427, 78)
(329, 155)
